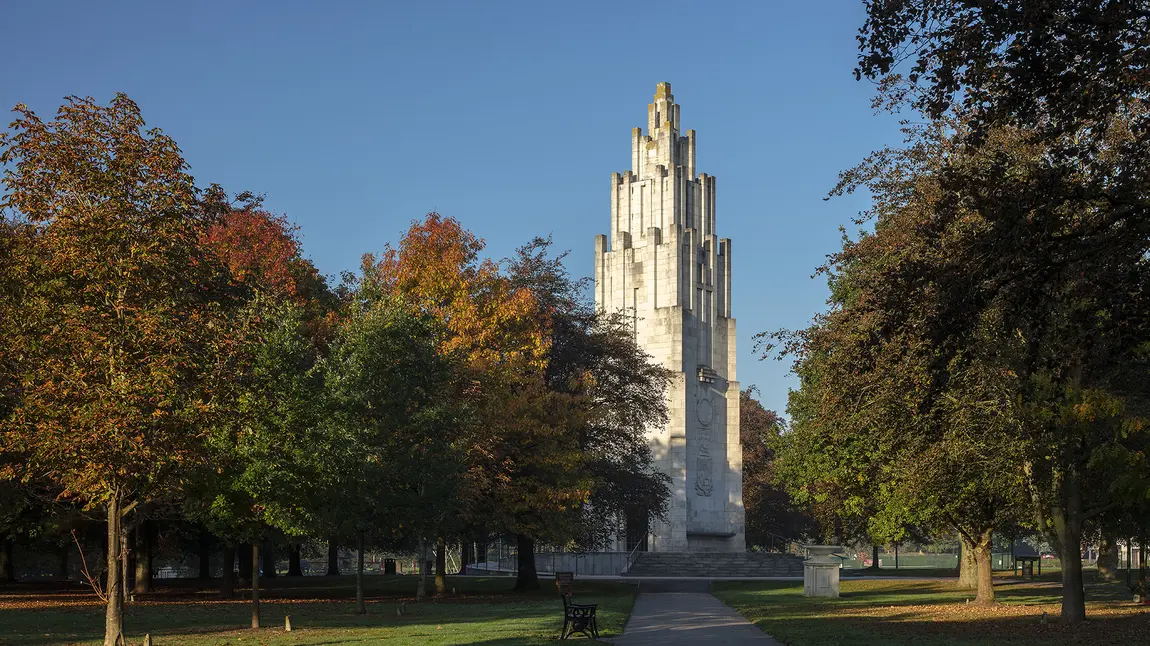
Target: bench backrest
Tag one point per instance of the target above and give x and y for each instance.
(564, 582)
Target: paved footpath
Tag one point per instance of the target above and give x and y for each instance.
(672, 618)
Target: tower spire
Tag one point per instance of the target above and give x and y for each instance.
(662, 150)
(662, 111)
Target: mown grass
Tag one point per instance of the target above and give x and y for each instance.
(322, 610)
(894, 612)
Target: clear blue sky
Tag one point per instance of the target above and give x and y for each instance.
(355, 118)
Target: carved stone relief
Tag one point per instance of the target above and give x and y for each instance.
(704, 412)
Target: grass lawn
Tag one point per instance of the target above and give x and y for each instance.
(892, 612)
(322, 609)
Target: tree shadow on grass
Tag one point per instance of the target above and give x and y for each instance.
(896, 593)
(913, 628)
(480, 614)
(891, 612)
(217, 621)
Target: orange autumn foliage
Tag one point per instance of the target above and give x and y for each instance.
(436, 270)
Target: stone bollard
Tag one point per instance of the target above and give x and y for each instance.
(821, 571)
(287, 623)
(147, 639)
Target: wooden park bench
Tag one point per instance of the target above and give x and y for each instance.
(577, 617)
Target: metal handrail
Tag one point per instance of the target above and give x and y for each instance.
(631, 555)
(785, 544)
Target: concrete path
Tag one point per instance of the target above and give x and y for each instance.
(673, 618)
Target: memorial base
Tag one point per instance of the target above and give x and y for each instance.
(821, 571)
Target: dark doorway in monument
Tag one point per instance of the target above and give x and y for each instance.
(638, 526)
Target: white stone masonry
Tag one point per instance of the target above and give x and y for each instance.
(665, 267)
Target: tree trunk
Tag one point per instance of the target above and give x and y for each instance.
(874, 557)
(982, 555)
(464, 556)
(1073, 595)
(1142, 561)
(1129, 556)
(440, 565)
(256, 584)
(228, 578)
(205, 555)
(144, 542)
(332, 558)
(1068, 531)
(7, 561)
(421, 559)
(102, 572)
(268, 558)
(360, 606)
(1107, 558)
(244, 556)
(125, 547)
(294, 568)
(527, 578)
(65, 569)
(967, 566)
(114, 615)
(129, 557)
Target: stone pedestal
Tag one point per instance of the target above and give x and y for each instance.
(821, 571)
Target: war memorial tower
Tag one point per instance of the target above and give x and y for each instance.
(665, 267)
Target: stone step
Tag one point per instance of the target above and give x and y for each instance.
(716, 564)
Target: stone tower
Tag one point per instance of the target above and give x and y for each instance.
(665, 267)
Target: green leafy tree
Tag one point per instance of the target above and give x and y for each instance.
(917, 415)
(1056, 67)
(1033, 318)
(1047, 213)
(275, 463)
(389, 396)
(275, 460)
(772, 516)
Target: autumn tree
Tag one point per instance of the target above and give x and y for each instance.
(483, 327)
(117, 346)
(436, 270)
(11, 279)
(264, 254)
(12, 493)
(576, 460)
